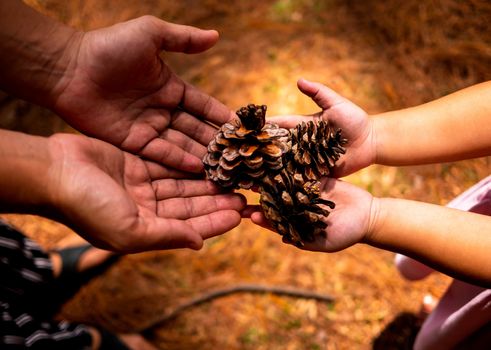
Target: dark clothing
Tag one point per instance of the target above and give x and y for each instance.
(28, 301)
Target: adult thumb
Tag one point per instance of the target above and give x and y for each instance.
(181, 38)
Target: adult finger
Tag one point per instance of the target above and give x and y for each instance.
(172, 188)
(259, 219)
(320, 94)
(193, 127)
(163, 151)
(184, 142)
(185, 208)
(164, 233)
(158, 171)
(215, 223)
(204, 106)
(249, 210)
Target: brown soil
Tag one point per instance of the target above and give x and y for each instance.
(382, 62)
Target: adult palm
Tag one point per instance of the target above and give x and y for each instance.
(119, 201)
(118, 88)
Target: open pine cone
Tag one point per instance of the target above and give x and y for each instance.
(286, 165)
(245, 149)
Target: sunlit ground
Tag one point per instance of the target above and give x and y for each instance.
(264, 48)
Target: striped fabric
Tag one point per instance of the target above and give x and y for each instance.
(26, 299)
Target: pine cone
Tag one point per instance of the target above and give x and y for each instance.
(245, 149)
(286, 165)
(291, 204)
(315, 148)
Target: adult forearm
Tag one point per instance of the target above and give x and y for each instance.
(457, 126)
(36, 51)
(24, 174)
(452, 241)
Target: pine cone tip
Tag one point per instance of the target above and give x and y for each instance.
(252, 117)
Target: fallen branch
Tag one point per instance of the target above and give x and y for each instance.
(240, 288)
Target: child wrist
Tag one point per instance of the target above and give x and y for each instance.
(376, 218)
(376, 124)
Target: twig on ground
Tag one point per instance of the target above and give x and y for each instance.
(240, 288)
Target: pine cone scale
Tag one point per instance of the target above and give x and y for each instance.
(229, 165)
(247, 150)
(272, 150)
(254, 163)
(230, 154)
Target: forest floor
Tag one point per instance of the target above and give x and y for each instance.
(264, 48)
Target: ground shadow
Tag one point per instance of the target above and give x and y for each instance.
(399, 334)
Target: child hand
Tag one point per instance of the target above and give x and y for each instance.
(344, 114)
(348, 223)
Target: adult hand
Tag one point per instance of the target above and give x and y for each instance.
(348, 223)
(344, 114)
(118, 88)
(121, 202)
